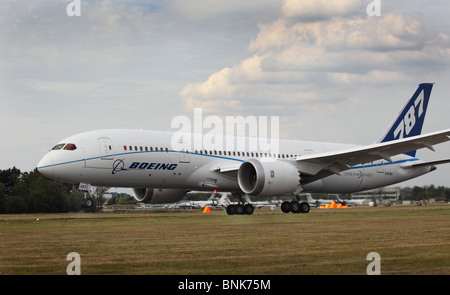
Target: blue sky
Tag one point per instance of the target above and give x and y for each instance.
(329, 71)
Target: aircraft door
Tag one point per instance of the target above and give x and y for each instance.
(104, 157)
(106, 148)
(184, 153)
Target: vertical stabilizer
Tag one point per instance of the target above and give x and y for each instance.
(410, 120)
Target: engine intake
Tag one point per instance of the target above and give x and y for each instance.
(268, 178)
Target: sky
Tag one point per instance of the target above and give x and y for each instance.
(330, 71)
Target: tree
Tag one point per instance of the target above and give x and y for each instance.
(9, 178)
(99, 193)
(3, 198)
(16, 205)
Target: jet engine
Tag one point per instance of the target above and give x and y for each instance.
(268, 178)
(158, 196)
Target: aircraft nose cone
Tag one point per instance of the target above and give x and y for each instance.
(45, 166)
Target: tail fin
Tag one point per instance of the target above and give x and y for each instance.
(410, 120)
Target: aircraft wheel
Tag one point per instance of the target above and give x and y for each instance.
(304, 207)
(87, 203)
(248, 209)
(285, 207)
(231, 210)
(294, 206)
(239, 209)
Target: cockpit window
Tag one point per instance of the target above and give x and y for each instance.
(70, 147)
(58, 146)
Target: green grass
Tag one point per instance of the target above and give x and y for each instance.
(410, 240)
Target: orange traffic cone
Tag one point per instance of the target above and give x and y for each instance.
(206, 210)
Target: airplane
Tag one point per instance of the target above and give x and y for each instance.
(158, 172)
(350, 202)
(317, 203)
(213, 201)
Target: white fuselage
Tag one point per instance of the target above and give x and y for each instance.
(146, 159)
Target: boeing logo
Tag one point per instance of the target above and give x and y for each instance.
(118, 166)
(152, 166)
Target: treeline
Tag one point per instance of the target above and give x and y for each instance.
(31, 192)
(439, 193)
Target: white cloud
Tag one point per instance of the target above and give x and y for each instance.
(307, 10)
(317, 52)
(138, 63)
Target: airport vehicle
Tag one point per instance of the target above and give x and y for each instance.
(160, 172)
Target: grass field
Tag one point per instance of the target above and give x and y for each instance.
(409, 239)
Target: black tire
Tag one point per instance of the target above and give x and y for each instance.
(87, 203)
(248, 209)
(285, 207)
(231, 210)
(239, 209)
(304, 207)
(295, 207)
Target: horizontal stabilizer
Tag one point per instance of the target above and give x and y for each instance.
(342, 160)
(423, 164)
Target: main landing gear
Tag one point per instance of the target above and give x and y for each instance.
(240, 209)
(295, 207)
(243, 207)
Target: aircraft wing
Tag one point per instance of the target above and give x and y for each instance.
(338, 161)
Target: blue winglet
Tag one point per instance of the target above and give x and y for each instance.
(410, 120)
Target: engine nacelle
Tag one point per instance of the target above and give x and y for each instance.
(158, 196)
(268, 178)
